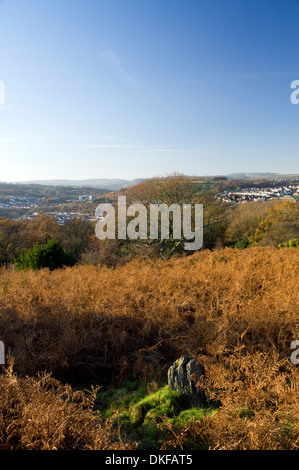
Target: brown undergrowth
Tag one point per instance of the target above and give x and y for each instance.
(235, 310)
(86, 322)
(258, 406)
(41, 414)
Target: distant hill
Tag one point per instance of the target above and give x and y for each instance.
(116, 184)
(257, 176)
(105, 183)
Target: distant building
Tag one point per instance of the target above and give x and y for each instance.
(85, 197)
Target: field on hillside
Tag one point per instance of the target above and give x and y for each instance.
(121, 328)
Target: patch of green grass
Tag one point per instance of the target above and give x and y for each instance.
(119, 399)
(192, 414)
(141, 414)
(163, 402)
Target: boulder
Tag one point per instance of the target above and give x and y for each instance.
(184, 375)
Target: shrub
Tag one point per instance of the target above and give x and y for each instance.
(243, 243)
(290, 244)
(51, 255)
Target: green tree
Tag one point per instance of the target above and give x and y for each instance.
(290, 244)
(51, 255)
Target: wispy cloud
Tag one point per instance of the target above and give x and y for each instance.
(112, 58)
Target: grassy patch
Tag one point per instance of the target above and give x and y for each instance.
(146, 417)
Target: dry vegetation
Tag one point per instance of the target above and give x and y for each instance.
(235, 310)
(258, 397)
(41, 414)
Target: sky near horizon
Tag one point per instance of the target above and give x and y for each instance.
(142, 88)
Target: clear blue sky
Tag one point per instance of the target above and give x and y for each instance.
(139, 88)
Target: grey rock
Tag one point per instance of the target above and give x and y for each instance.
(183, 376)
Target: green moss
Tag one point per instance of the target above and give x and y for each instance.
(120, 399)
(141, 414)
(165, 402)
(192, 414)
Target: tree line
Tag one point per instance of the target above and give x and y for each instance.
(44, 242)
